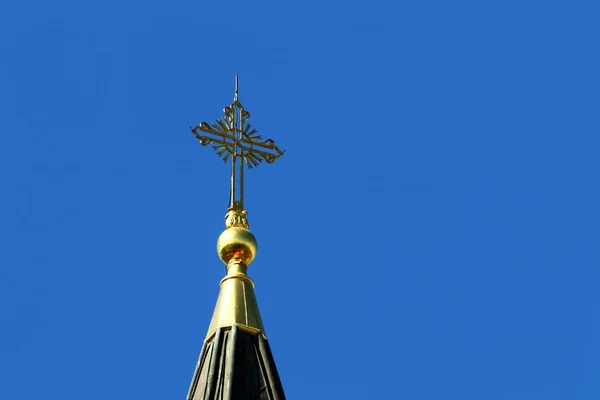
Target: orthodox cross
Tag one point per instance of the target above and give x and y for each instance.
(233, 137)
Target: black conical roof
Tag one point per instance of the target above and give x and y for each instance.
(236, 364)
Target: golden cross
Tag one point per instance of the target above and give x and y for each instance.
(233, 137)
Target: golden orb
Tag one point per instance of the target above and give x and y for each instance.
(236, 242)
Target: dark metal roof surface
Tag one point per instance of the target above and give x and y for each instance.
(236, 365)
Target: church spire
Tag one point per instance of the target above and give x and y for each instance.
(236, 360)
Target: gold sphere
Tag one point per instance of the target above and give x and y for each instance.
(236, 242)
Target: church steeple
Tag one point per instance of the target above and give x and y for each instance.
(236, 361)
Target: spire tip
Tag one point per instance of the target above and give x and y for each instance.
(235, 96)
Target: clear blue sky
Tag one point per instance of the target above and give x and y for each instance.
(432, 232)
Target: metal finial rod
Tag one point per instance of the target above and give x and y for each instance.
(232, 136)
(240, 135)
(234, 123)
(235, 96)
